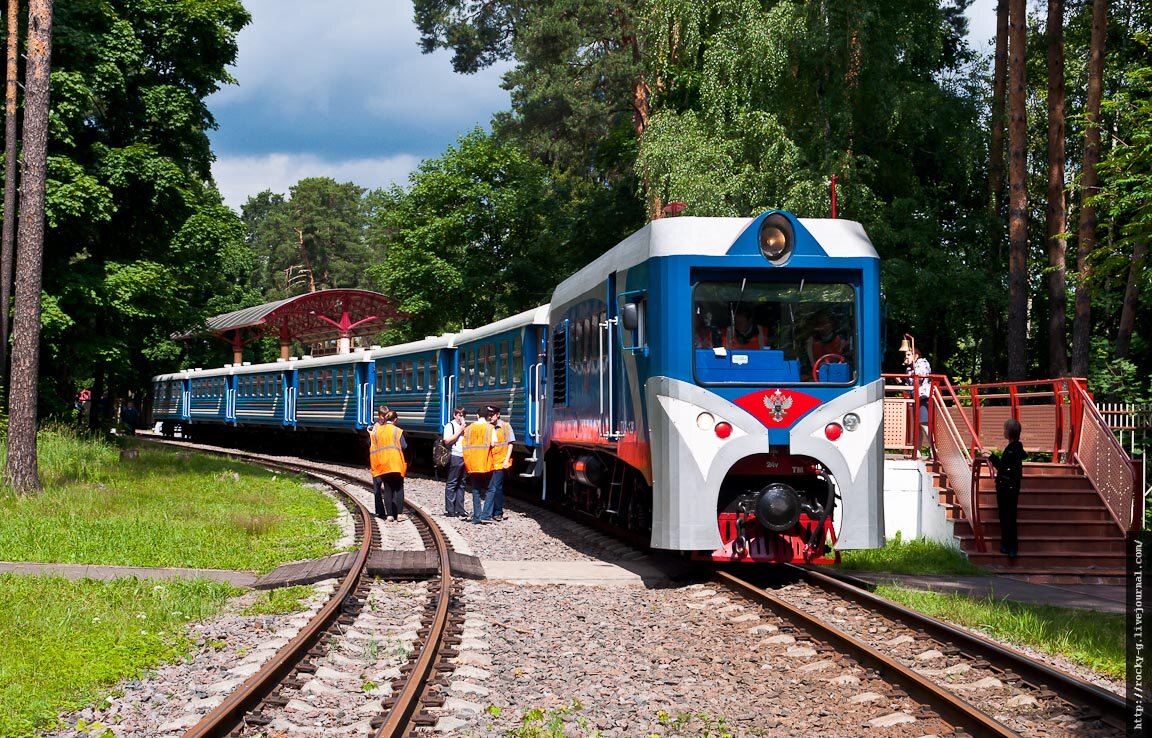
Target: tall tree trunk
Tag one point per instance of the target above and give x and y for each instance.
(22, 472)
(1089, 184)
(996, 145)
(7, 240)
(1055, 223)
(992, 314)
(1018, 194)
(1131, 298)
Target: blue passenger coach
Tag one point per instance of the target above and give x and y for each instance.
(717, 382)
(409, 378)
(501, 364)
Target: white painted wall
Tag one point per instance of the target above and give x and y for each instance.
(911, 506)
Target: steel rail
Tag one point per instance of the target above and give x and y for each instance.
(952, 709)
(228, 715)
(1110, 706)
(403, 711)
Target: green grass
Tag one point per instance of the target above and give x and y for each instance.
(279, 601)
(164, 508)
(1093, 639)
(920, 556)
(65, 642)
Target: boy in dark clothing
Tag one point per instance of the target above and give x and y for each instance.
(1009, 469)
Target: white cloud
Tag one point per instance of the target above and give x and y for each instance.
(301, 58)
(240, 177)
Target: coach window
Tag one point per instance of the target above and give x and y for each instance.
(379, 378)
(492, 359)
(388, 378)
(472, 367)
(517, 360)
(410, 367)
(433, 374)
(420, 374)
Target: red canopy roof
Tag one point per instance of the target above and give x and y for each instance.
(309, 318)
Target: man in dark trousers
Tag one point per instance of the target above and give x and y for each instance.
(1009, 469)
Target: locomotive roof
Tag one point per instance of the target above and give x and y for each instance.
(704, 237)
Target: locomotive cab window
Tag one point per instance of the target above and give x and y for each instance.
(746, 332)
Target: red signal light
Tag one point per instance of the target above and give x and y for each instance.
(723, 429)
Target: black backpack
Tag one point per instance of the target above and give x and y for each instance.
(441, 453)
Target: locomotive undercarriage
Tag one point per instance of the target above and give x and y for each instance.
(776, 518)
(602, 487)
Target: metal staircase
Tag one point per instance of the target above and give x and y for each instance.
(1075, 507)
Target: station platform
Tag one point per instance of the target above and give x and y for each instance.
(1098, 597)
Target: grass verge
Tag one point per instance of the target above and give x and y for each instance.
(66, 641)
(1093, 639)
(164, 508)
(919, 556)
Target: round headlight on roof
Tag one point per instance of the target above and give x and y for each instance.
(776, 238)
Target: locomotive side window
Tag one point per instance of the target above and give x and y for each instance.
(762, 333)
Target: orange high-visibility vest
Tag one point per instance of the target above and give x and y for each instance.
(386, 455)
(478, 448)
(501, 447)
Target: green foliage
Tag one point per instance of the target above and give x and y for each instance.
(478, 235)
(311, 240)
(127, 179)
(94, 634)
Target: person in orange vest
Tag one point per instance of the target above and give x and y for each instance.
(743, 334)
(478, 463)
(502, 439)
(386, 457)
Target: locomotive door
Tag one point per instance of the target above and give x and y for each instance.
(609, 370)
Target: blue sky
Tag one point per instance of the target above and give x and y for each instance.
(341, 90)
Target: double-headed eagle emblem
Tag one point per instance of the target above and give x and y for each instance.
(778, 404)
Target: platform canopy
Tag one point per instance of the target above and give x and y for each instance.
(311, 318)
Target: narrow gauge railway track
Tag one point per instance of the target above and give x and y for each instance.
(993, 700)
(1092, 701)
(242, 711)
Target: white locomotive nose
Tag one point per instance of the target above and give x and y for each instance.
(778, 507)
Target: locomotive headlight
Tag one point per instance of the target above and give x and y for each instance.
(776, 238)
(705, 421)
(851, 422)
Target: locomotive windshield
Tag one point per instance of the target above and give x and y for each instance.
(746, 332)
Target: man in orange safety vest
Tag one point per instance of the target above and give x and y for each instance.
(478, 463)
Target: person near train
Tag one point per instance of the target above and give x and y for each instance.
(454, 488)
(478, 463)
(1009, 466)
(502, 439)
(825, 339)
(386, 457)
(744, 334)
(920, 376)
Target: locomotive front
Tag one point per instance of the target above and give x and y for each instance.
(765, 412)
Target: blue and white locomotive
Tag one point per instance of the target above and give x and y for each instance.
(710, 384)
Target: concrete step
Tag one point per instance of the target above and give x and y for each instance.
(1050, 545)
(1043, 561)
